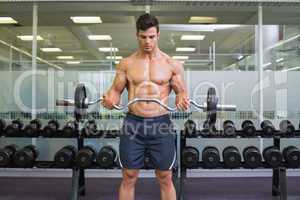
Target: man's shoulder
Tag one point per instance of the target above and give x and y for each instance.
(174, 63)
(125, 62)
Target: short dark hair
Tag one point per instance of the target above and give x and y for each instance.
(146, 21)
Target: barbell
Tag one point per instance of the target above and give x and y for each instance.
(81, 103)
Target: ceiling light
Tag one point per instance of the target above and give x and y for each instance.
(186, 49)
(192, 37)
(108, 49)
(114, 57)
(117, 62)
(7, 20)
(203, 20)
(86, 20)
(279, 60)
(99, 37)
(240, 57)
(73, 62)
(51, 49)
(180, 57)
(64, 57)
(29, 37)
(290, 69)
(267, 64)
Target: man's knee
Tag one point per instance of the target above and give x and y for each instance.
(129, 177)
(164, 178)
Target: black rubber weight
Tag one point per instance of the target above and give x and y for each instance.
(252, 157)
(210, 157)
(212, 102)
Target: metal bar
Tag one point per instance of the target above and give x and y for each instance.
(75, 184)
(260, 62)
(283, 183)
(81, 188)
(34, 55)
(275, 178)
(214, 55)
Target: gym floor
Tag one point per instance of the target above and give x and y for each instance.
(147, 189)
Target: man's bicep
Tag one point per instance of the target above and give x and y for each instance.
(177, 82)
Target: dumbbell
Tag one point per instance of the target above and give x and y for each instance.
(90, 129)
(291, 155)
(26, 156)
(70, 129)
(267, 128)
(85, 157)
(272, 156)
(287, 128)
(106, 157)
(33, 128)
(231, 157)
(190, 157)
(14, 129)
(252, 157)
(190, 129)
(248, 128)
(208, 129)
(2, 126)
(229, 128)
(65, 156)
(50, 130)
(6, 155)
(210, 157)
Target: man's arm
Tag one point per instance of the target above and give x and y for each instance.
(113, 95)
(179, 86)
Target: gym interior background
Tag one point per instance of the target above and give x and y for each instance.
(247, 50)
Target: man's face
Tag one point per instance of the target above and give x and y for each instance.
(148, 39)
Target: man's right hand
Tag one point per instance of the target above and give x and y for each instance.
(110, 99)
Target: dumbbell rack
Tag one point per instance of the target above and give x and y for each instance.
(279, 178)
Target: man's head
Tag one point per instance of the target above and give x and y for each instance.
(147, 32)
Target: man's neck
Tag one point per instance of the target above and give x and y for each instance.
(149, 55)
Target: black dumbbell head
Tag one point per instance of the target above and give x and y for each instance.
(190, 128)
(229, 128)
(106, 157)
(85, 157)
(2, 125)
(70, 129)
(291, 155)
(286, 127)
(26, 156)
(231, 157)
(248, 128)
(65, 156)
(272, 156)
(90, 129)
(252, 157)
(267, 127)
(6, 155)
(13, 129)
(51, 129)
(210, 157)
(32, 129)
(190, 157)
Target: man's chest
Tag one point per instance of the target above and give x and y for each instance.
(156, 72)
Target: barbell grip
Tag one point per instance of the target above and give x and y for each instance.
(65, 102)
(123, 107)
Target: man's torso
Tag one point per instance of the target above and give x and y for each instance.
(148, 79)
